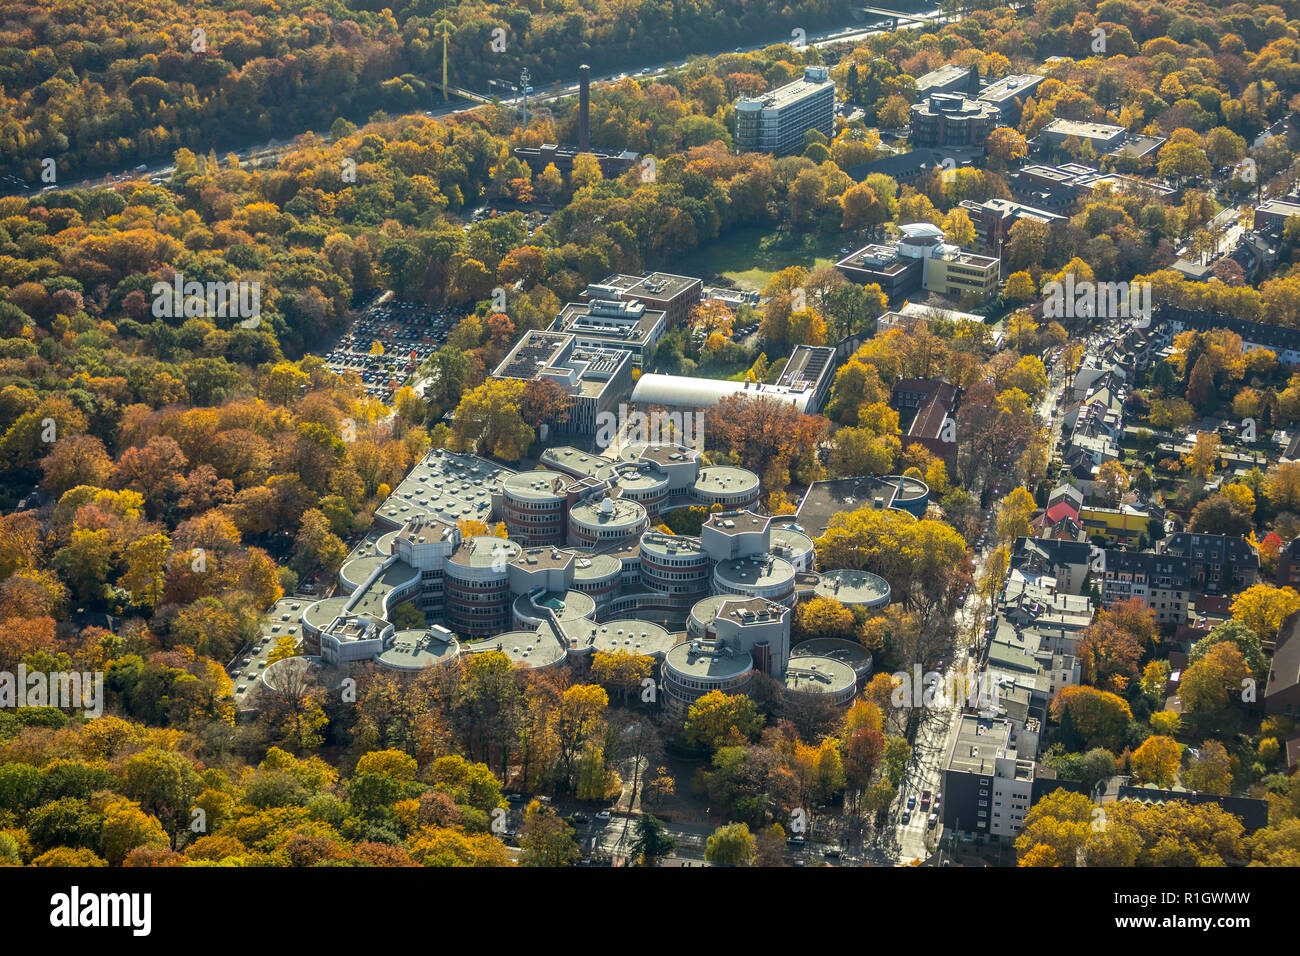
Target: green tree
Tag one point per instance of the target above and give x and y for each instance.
(652, 842)
(731, 844)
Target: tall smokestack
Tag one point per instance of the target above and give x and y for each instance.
(584, 108)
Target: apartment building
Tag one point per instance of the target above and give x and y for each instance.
(1218, 564)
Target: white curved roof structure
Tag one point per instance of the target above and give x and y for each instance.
(921, 230)
(685, 391)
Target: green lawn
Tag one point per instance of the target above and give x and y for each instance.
(751, 256)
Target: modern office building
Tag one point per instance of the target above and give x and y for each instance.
(809, 367)
(1104, 137)
(621, 324)
(994, 218)
(987, 787)
(882, 265)
(542, 603)
(922, 260)
(950, 78)
(594, 377)
(673, 295)
(950, 119)
(1009, 93)
(777, 121)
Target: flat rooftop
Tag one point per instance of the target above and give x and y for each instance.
(1279, 207)
(567, 605)
(445, 485)
(1011, 87)
(619, 511)
(784, 536)
(977, 743)
(854, 588)
(810, 674)
(706, 609)
(850, 653)
(540, 648)
(657, 286)
(1083, 130)
(751, 610)
(588, 566)
(644, 477)
(825, 499)
(320, 614)
(634, 325)
(543, 559)
(574, 460)
(677, 545)
(632, 636)
(536, 485)
(726, 478)
(784, 96)
(708, 660)
(875, 257)
(484, 551)
(289, 671)
(750, 572)
(947, 74)
(535, 351)
(660, 454)
(356, 571)
(737, 522)
(419, 648)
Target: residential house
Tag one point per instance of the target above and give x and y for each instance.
(1219, 564)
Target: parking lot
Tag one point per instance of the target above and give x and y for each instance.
(409, 334)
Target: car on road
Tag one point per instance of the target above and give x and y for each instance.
(795, 841)
(925, 799)
(934, 818)
(646, 71)
(241, 688)
(604, 816)
(580, 818)
(907, 817)
(831, 854)
(911, 801)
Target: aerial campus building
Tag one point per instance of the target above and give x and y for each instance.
(777, 121)
(583, 570)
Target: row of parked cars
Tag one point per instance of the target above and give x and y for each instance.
(926, 806)
(409, 334)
